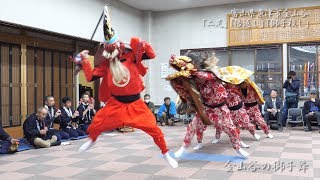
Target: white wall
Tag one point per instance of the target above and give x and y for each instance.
(168, 31)
(183, 29)
(73, 17)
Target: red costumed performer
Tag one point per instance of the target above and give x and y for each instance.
(251, 101)
(238, 113)
(213, 96)
(122, 70)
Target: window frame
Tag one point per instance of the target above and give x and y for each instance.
(304, 72)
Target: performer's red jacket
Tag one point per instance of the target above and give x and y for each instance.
(132, 60)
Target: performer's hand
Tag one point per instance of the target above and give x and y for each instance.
(45, 128)
(84, 54)
(43, 132)
(76, 113)
(14, 141)
(90, 106)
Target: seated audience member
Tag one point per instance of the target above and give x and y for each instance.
(68, 117)
(311, 110)
(7, 143)
(167, 111)
(36, 132)
(149, 103)
(91, 99)
(53, 117)
(273, 109)
(86, 112)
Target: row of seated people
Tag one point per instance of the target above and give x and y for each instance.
(167, 111)
(273, 110)
(39, 129)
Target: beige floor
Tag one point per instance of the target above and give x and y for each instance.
(134, 156)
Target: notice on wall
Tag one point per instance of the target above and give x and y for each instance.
(165, 70)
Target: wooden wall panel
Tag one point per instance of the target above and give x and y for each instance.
(16, 86)
(5, 111)
(31, 107)
(63, 75)
(56, 78)
(69, 78)
(39, 77)
(48, 73)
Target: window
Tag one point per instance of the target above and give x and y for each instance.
(243, 58)
(221, 54)
(268, 73)
(223, 57)
(265, 62)
(304, 61)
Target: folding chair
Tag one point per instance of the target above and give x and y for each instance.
(297, 113)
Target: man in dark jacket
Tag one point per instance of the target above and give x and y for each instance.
(86, 112)
(36, 132)
(292, 86)
(69, 118)
(273, 108)
(5, 142)
(311, 110)
(53, 117)
(149, 103)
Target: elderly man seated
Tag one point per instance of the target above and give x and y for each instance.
(311, 110)
(273, 109)
(36, 132)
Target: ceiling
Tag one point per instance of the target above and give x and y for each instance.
(165, 5)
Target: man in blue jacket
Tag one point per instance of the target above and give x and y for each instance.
(292, 86)
(167, 111)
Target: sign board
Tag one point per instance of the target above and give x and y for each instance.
(251, 27)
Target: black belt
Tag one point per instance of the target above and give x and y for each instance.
(216, 106)
(251, 104)
(236, 107)
(127, 99)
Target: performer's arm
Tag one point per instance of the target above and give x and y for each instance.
(93, 74)
(149, 52)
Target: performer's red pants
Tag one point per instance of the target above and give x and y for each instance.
(240, 119)
(256, 118)
(136, 114)
(221, 119)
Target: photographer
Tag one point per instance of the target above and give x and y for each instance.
(292, 85)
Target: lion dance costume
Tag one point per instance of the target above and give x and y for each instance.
(121, 70)
(213, 99)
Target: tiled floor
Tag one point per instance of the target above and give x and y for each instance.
(134, 156)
